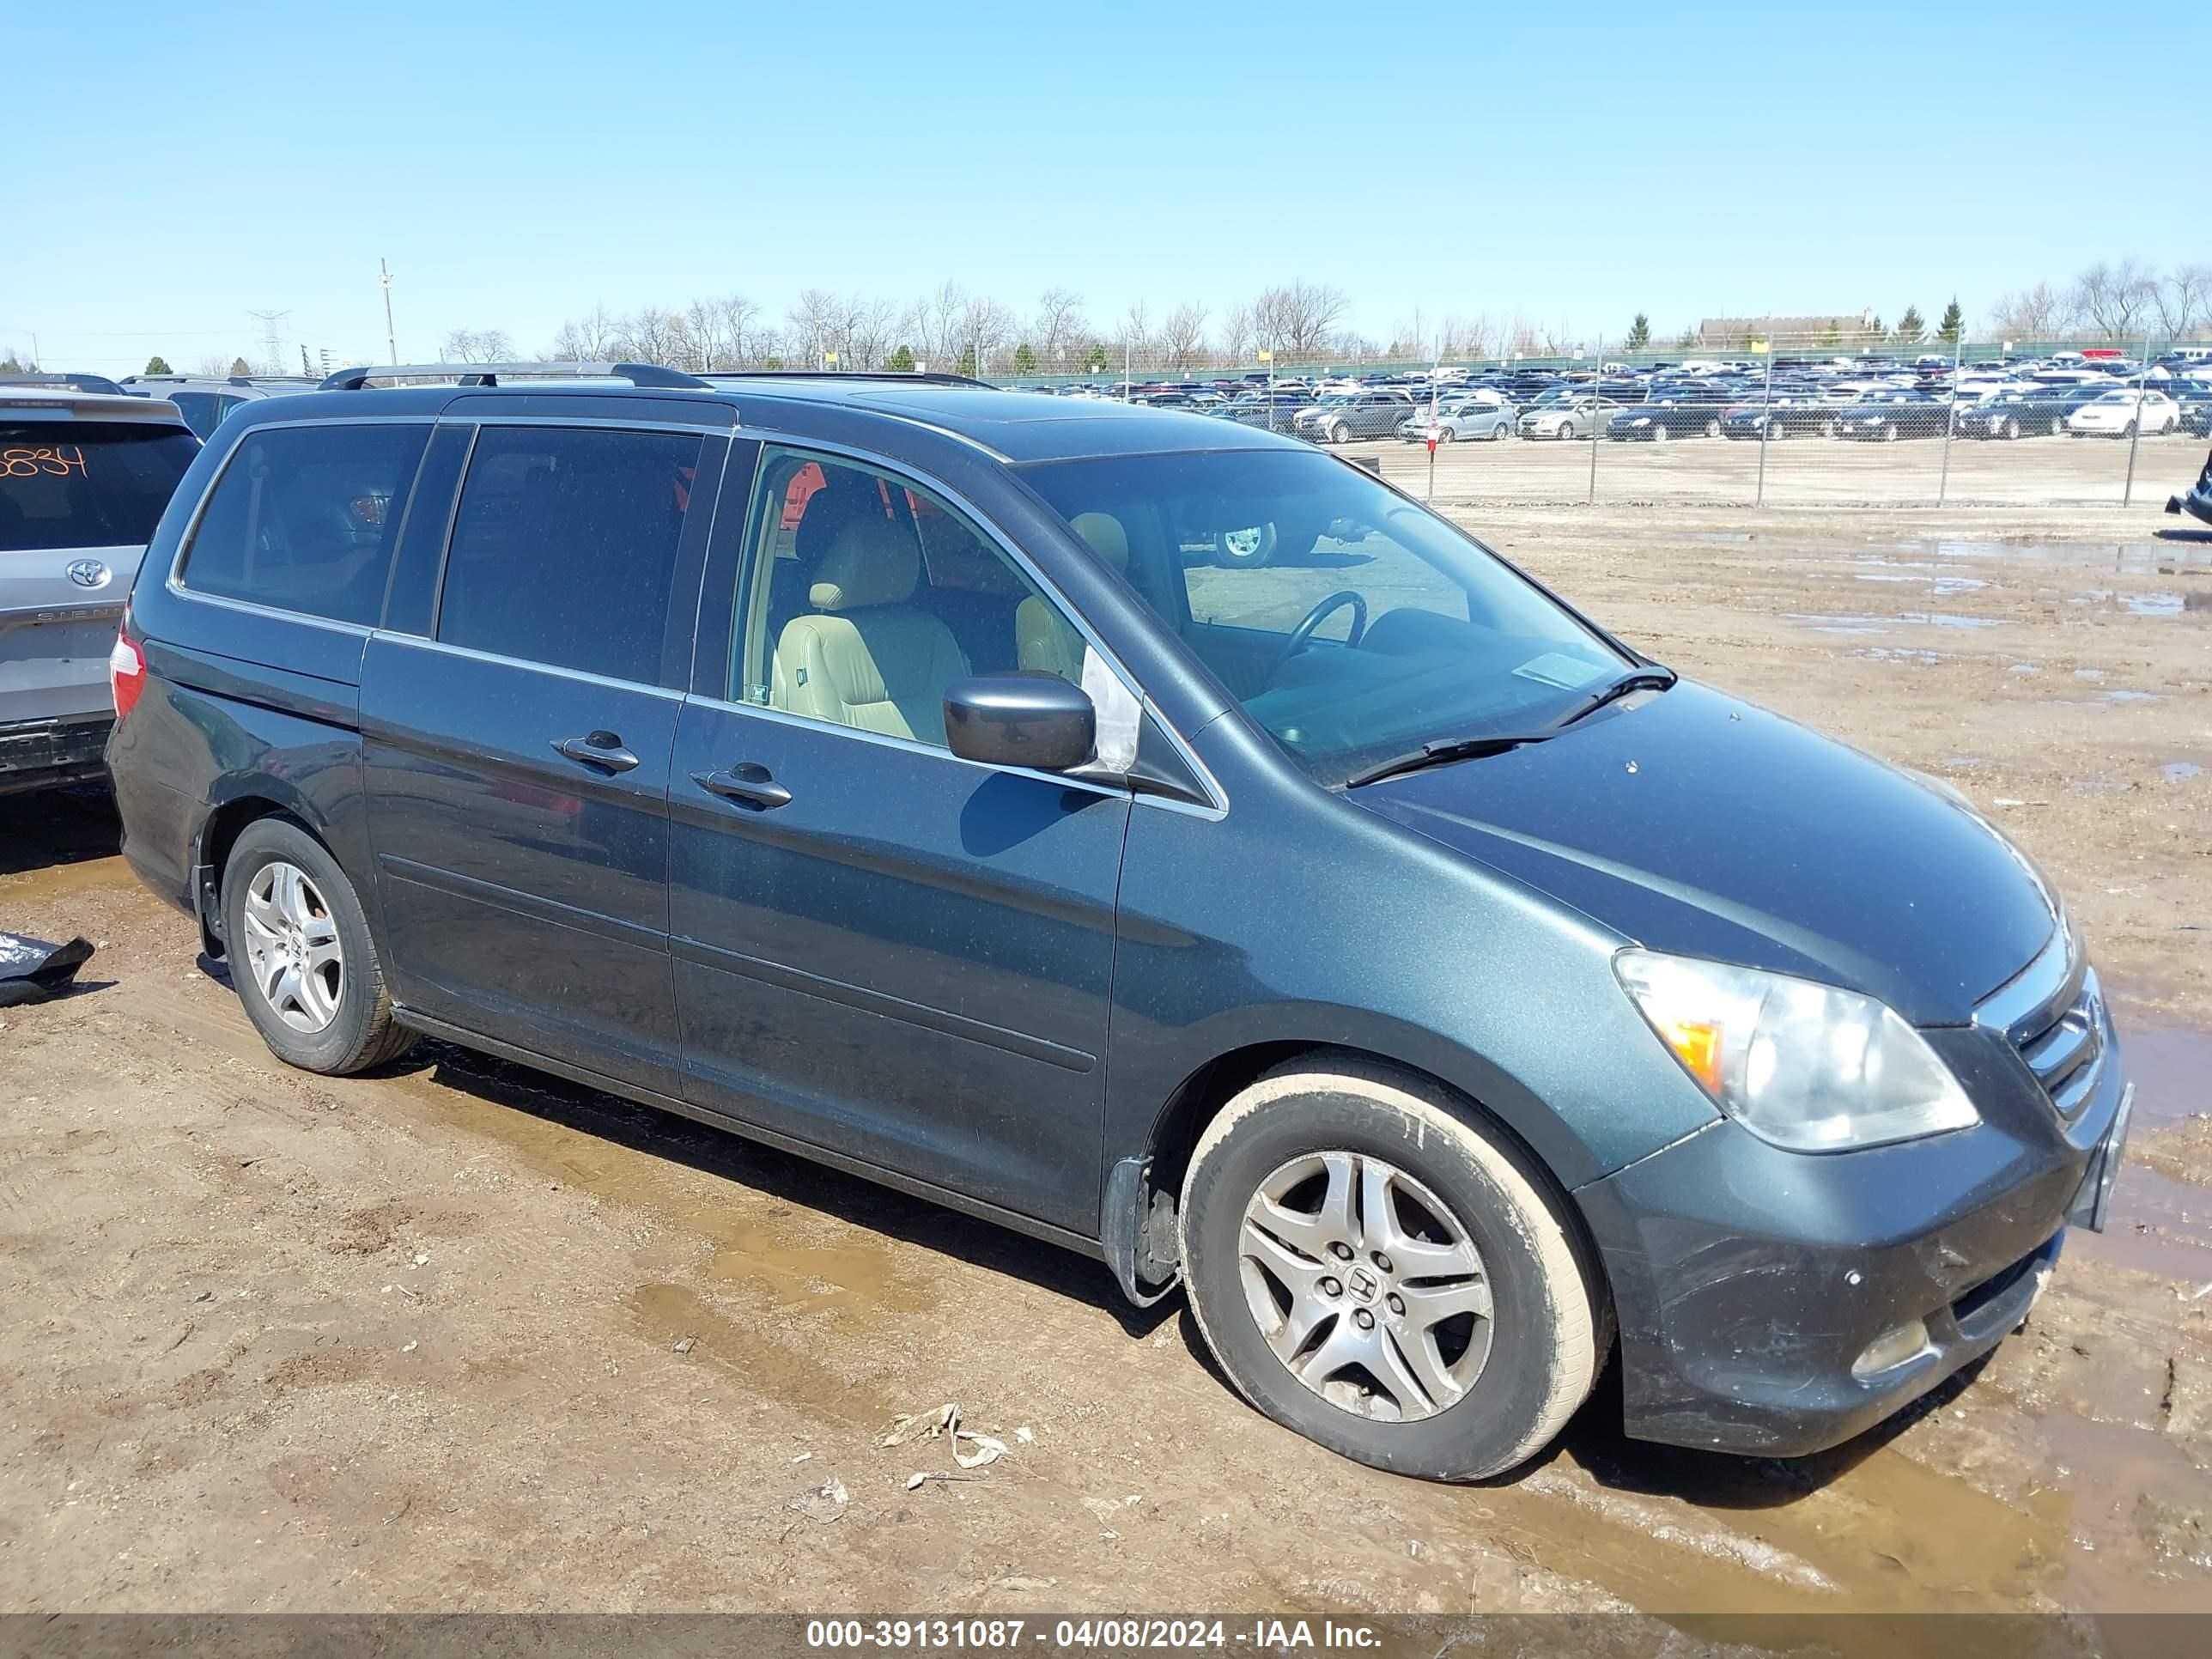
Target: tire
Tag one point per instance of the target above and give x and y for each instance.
(1713, 428)
(1776, 432)
(1566, 432)
(1485, 1394)
(1659, 435)
(2129, 430)
(336, 1017)
(1834, 427)
(1889, 433)
(1502, 431)
(2011, 427)
(1444, 435)
(1249, 551)
(1339, 433)
(2058, 426)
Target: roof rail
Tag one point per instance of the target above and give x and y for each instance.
(353, 380)
(846, 375)
(74, 382)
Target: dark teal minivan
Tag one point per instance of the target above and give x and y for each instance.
(1153, 833)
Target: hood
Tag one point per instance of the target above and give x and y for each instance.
(1701, 825)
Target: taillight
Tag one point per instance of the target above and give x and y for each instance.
(127, 671)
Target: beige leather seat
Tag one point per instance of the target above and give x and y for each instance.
(1045, 639)
(868, 657)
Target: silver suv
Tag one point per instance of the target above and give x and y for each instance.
(204, 399)
(83, 479)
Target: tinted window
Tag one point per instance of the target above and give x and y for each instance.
(564, 547)
(303, 518)
(201, 410)
(81, 483)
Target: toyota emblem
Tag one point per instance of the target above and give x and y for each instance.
(88, 573)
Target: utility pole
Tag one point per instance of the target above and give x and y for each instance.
(272, 346)
(391, 340)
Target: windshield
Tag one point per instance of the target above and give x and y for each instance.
(86, 483)
(1429, 636)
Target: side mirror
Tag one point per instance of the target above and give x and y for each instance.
(1030, 719)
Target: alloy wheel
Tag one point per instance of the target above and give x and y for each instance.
(292, 947)
(1365, 1285)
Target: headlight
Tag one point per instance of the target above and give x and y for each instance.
(1805, 1067)
(1641, 420)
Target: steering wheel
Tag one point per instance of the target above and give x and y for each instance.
(1315, 617)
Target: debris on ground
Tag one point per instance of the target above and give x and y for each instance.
(981, 1448)
(824, 1503)
(684, 1344)
(32, 970)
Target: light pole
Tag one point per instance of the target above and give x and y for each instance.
(391, 340)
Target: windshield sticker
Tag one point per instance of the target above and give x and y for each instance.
(57, 461)
(1568, 673)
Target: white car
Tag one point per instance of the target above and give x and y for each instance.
(1566, 421)
(2117, 414)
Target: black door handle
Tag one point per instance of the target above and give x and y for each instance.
(601, 749)
(748, 783)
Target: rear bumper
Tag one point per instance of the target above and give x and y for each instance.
(1749, 1279)
(2197, 503)
(43, 754)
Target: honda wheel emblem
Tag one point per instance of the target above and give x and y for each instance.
(88, 573)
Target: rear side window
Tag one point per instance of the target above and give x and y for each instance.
(86, 483)
(564, 548)
(303, 518)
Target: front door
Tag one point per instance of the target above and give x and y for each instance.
(882, 950)
(517, 752)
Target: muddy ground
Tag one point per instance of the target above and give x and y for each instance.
(465, 1337)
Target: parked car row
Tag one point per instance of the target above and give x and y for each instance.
(1876, 399)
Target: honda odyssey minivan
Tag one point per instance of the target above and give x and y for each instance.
(1450, 998)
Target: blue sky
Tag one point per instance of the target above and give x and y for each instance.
(176, 167)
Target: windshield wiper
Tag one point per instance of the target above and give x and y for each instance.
(1650, 677)
(1445, 750)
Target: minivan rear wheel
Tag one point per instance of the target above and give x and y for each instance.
(1387, 1278)
(301, 958)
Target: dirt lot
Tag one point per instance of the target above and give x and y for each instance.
(463, 1337)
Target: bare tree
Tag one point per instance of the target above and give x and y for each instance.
(814, 327)
(593, 338)
(2183, 300)
(1182, 337)
(1297, 316)
(1237, 334)
(652, 334)
(933, 324)
(985, 328)
(1134, 339)
(2034, 313)
(2114, 299)
(1060, 327)
(467, 345)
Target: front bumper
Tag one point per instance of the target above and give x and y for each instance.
(43, 754)
(1747, 1279)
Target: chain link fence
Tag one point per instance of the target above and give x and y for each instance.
(1770, 419)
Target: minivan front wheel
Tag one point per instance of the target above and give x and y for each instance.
(1386, 1278)
(301, 958)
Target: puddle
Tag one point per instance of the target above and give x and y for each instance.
(2124, 696)
(2024, 668)
(1940, 587)
(1949, 619)
(1900, 653)
(2146, 558)
(2090, 674)
(1820, 624)
(2161, 604)
(2179, 771)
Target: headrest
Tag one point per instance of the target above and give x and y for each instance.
(872, 561)
(1107, 538)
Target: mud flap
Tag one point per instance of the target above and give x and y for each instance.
(1139, 1234)
(32, 970)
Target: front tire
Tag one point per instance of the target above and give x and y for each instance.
(1377, 1272)
(301, 958)
(1339, 433)
(1566, 432)
(1659, 435)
